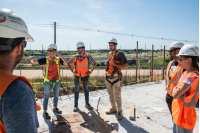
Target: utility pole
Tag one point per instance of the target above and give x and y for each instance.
(161, 50)
(90, 48)
(55, 32)
(68, 52)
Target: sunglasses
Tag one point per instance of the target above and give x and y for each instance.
(24, 43)
(171, 50)
(79, 48)
(50, 50)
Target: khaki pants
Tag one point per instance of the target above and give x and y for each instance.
(114, 92)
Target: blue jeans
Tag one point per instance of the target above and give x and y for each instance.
(77, 88)
(179, 129)
(47, 91)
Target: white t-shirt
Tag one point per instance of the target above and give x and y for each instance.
(172, 69)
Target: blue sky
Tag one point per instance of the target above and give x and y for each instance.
(170, 19)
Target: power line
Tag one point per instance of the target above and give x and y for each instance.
(108, 32)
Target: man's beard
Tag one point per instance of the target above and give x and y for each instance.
(80, 51)
(112, 49)
(18, 58)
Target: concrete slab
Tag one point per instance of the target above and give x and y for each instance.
(151, 111)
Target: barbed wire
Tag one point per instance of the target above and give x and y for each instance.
(59, 26)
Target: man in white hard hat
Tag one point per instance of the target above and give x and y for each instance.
(81, 63)
(173, 72)
(116, 60)
(52, 77)
(18, 113)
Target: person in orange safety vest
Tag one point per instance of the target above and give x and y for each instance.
(186, 93)
(173, 72)
(18, 109)
(52, 77)
(116, 60)
(81, 63)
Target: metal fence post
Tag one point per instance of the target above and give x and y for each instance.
(97, 72)
(164, 64)
(136, 59)
(152, 65)
(20, 71)
(126, 71)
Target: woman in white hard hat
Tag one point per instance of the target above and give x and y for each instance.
(186, 93)
(51, 77)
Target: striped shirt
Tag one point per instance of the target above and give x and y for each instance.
(81, 57)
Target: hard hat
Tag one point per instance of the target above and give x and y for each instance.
(189, 50)
(176, 44)
(13, 26)
(80, 45)
(53, 46)
(112, 40)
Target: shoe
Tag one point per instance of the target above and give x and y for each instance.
(119, 116)
(46, 116)
(88, 106)
(75, 108)
(57, 110)
(111, 111)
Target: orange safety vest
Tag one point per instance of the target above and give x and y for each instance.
(183, 108)
(111, 56)
(6, 79)
(171, 83)
(81, 67)
(52, 68)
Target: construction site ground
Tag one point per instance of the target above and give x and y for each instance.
(151, 111)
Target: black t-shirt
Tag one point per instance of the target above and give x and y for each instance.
(121, 57)
(42, 61)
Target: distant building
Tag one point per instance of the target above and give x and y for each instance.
(38, 55)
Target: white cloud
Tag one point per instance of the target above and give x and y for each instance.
(93, 4)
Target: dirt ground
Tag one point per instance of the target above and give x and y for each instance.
(38, 73)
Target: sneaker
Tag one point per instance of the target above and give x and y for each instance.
(57, 110)
(119, 116)
(46, 116)
(111, 111)
(75, 108)
(88, 106)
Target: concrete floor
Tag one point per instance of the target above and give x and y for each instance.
(152, 114)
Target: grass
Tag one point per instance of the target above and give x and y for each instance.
(68, 87)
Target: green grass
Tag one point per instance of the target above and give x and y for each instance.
(68, 84)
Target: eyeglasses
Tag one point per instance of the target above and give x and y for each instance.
(171, 50)
(50, 50)
(24, 43)
(79, 48)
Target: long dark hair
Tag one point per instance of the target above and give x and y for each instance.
(195, 61)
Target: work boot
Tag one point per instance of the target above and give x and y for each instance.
(119, 116)
(75, 108)
(111, 111)
(46, 116)
(57, 110)
(88, 106)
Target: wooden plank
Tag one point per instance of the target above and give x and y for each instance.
(132, 113)
(68, 123)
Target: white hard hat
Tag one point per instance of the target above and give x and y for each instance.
(176, 44)
(53, 46)
(189, 50)
(80, 44)
(13, 26)
(112, 40)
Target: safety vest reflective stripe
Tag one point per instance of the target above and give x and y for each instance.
(177, 76)
(192, 102)
(110, 74)
(47, 67)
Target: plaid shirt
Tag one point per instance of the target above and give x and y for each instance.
(81, 57)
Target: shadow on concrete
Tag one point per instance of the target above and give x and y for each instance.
(95, 123)
(128, 126)
(48, 122)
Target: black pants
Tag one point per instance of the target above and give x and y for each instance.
(169, 100)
